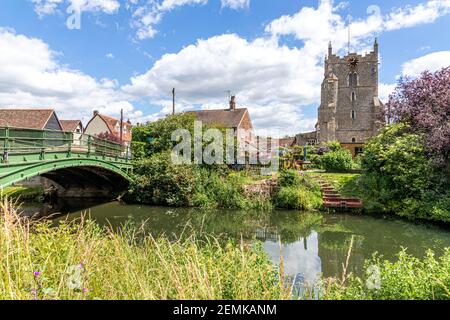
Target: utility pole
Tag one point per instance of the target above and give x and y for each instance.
(173, 101)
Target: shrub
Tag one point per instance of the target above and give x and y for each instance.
(339, 160)
(289, 178)
(159, 181)
(299, 198)
(408, 278)
(401, 179)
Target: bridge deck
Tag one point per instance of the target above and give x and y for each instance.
(28, 152)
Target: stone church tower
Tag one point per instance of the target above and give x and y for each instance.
(350, 111)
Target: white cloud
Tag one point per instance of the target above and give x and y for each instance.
(261, 73)
(431, 62)
(318, 26)
(30, 76)
(44, 7)
(148, 13)
(277, 83)
(384, 90)
(110, 56)
(236, 4)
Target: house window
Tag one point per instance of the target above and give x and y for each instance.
(353, 79)
(359, 150)
(353, 140)
(353, 115)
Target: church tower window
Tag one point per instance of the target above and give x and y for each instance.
(353, 114)
(353, 79)
(353, 96)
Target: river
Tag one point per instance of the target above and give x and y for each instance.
(311, 243)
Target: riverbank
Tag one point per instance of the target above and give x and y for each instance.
(215, 255)
(24, 193)
(85, 261)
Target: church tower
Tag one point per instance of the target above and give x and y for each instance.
(350, 111)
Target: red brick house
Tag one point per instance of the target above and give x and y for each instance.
(233, 118)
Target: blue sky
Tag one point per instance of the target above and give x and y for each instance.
(129, 54)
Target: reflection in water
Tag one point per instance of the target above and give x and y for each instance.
(311, 243)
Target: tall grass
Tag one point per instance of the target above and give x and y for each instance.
(84, 261)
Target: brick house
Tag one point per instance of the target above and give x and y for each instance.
(39, 119)
(234, 118)
(100, 124)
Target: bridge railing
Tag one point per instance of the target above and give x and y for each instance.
(27, 141)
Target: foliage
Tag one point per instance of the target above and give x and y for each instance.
(159, 181)
(156, 136)
(424, 103)
(408, 278)
(83, 261)
(289, 178)
(297, 191)
(339, 160)
(299, 198)
(347, 184)
(400, 178)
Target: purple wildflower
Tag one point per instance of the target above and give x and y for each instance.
(36, 274)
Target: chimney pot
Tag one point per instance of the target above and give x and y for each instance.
(233, 103)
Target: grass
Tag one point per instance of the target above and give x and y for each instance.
(345, 183)
(80, 260)
(408, 278)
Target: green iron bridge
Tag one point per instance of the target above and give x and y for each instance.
(79, 165)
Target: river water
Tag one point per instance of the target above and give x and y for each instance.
(311, 243)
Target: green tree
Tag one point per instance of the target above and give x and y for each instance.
(400, 178)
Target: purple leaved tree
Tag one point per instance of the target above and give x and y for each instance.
(424, 103)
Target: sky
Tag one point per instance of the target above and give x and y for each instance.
(77, 56)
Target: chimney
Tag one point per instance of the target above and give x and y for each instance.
(95, 113)
(233, 103)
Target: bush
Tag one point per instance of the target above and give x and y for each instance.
(401, 179)
(158, 181)
(289, 178)
(409, 278)
(339, 160)
(299, 198)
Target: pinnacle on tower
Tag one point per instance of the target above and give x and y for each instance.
(375, 46)
(330, 49)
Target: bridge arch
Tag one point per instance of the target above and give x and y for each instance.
(75, 177)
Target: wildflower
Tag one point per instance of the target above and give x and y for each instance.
(81, 265)
(36, 274)
(84, 290)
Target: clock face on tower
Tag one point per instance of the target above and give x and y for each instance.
(352, 62)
